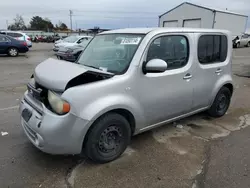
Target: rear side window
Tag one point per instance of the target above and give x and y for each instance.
(3, 39)
(15, 35)
(212, 49)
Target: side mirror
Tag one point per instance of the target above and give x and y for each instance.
(155, 66)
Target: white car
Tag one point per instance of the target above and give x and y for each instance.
(70, 41)
(19, 36)
(242, 41)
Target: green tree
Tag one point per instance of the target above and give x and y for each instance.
(38, 23)
(61, 26)
(18, 24)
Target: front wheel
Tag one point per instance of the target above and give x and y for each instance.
(221, 103)
(248, 44)
(108, 138)
(13, 52)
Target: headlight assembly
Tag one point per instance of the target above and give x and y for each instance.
(57, 104)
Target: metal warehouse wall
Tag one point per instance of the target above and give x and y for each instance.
(234, 23)
(186, 11)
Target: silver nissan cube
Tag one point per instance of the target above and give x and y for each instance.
(126, 82)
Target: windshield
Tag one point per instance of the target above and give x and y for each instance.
(71, 39)
(112, 52)
(84, 41)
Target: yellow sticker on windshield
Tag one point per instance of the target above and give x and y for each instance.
(134, 41)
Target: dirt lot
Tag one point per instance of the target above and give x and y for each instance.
(175, 155)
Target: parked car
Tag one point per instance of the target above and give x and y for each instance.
(242, 41)
(19, 36)
(69, 41)
(126, 82)
(71, 53)
(11, 46)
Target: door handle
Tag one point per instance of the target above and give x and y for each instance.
(218, 71)
(187, 76)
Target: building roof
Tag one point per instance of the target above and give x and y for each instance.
(130, 30)
(163, 29)
(207, 8)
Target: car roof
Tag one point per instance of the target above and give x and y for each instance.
(163, 30)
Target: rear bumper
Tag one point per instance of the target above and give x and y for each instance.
(23, 50)
(52, 133)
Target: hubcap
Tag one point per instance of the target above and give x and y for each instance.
(13, 52)
(222, 104)
(110, 139)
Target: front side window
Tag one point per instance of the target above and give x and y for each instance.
(212, 49)
(174, 50)
(111, 52)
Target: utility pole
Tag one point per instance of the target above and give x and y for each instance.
(70, 15)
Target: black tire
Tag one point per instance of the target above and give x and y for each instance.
(13, 52)
(108, 138)
(221, 103)
(248, 44)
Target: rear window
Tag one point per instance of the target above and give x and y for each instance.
(212, 49)
(15, 35)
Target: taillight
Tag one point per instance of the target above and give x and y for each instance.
(25, 43)
(28, 39)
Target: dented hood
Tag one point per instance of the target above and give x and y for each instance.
(56, 74)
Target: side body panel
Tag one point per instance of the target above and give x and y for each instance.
(209, 78)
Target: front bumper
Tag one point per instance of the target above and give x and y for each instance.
(52, 133)
(55, 49)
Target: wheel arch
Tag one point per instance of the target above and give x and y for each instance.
(7, 50)
(228, 85)
(121, 111)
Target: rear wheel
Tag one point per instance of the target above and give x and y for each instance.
(13, 52)
(221, 103)
(248, 44)
(108, 138)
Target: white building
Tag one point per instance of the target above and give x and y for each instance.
(196, 16)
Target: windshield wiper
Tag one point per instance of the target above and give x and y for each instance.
(98, 69)
(92, 67)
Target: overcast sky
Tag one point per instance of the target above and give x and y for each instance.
(105, 13)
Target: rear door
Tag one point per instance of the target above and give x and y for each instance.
(4, 44)
(212, 63)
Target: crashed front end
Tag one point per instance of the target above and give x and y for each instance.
(46, 116)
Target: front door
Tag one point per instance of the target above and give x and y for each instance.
(212, 63)
(244, 40)
(169, 94)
